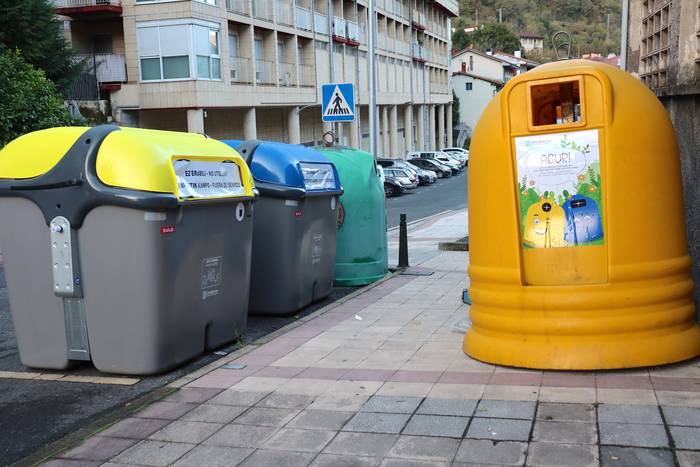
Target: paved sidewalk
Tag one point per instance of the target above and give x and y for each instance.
(381, 379)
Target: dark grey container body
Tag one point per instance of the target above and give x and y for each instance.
(152, 299)
(293, 252)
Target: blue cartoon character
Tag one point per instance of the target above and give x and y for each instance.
(583, 223)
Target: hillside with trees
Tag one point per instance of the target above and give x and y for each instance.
(594, 25)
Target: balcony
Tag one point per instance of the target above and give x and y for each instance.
(241, 7)
(418, 53)
(398, 8)
(262, 9)
(241, 70)
(381, 41)
(86, 7)
(306, 76)
(321, 23)
(264, 72)
(304, 19)
(418, 20)
(339, 30)
(283, 13)
(286, 74)
(107, 68)
(352, 33)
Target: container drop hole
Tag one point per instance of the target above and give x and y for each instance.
(556, 103)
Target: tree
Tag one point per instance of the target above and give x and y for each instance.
(495, 37)
(31, 27)
(455, 110)
(460, 39)
(28, 101)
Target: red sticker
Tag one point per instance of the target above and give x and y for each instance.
(297, 214)
(167, 230)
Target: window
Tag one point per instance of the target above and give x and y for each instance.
(233, 45)
(468, 86)
(471, 63)
(172, 51)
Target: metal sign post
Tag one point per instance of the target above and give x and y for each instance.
(372, 78)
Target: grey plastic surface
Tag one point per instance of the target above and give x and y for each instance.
(293, 253)
(152, 300)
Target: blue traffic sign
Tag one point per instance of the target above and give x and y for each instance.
(338, 102)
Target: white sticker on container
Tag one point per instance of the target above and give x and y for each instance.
(318, 176)
(154, 216)
(291, 202)
(206, 179)
(333, 203)
(316, 248)
(240, 212)
(211, 272)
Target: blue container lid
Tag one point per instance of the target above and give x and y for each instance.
(290, 165)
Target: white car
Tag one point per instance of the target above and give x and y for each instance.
(463, 154)
(440, 156)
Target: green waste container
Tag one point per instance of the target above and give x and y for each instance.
(361, 244)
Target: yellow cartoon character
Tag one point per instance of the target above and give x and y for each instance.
(544, 225)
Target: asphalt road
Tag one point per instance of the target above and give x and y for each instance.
(443, 195)
(34, 413)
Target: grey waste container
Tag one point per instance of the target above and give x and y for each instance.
(127, 247)
(295, 225)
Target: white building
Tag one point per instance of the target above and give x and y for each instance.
(531, 41)
(249, 69)
(474, 93)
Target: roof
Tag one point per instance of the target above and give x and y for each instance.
(612, 60)
(485, 55)
(482, 78)
(512, 58)
(532, 35)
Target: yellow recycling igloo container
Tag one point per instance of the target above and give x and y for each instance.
(578, 251)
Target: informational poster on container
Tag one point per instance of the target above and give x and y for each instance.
(318, 176)
(560, 189)
(207, 179)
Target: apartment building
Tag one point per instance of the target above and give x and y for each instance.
(246, 69)
(661, 45)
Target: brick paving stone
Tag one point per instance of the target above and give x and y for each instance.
(320, 420)
(631, 434)
(339, 402)
(392, 404)
(361, 444)
(233, 397)
(562, 412)
(425, 448)
(214, 413)
(499, 429)
(436, 425)
(165, 410)
(684, 416)
(688, 458)
(263, 416)
(524, 410)
(137, 428)
(286, 401)
(474, 451)
(557, 455)
(565, 432)
(686, 437)
(186, 432)
(99, 448)
(412, 463)
(293, 439)
(241, 436)
(70, 463)
(334, 460)
(262, 458)
(370, 422)
(154, 453)
(617, 413)
(194, 395)
(213, 456)
(455, 407)
(614, 456)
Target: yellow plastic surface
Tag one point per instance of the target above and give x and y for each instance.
(621, 303)
(130, 158)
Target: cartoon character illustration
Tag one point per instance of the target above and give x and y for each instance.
(544, 225)
(583, 224)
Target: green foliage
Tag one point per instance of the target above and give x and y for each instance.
(455, 110)
(495, 37)
(28, 101)
(585, 20)
(460, 39)
(31, 26)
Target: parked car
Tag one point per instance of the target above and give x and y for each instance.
(425, 177)
(407, 180)
(461, 153)
(442, 171)
(457, 158)
(440, 156)
(392, 186)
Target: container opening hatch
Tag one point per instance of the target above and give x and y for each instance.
(556, 103)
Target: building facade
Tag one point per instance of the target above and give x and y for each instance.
(661, 45)
(531, 41)
(474, 92)
(247, 69)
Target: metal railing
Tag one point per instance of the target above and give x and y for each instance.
(418, 51)
(242, 7)
(419, 17)
(306, 76)
(107, 68)
(283, 12)
(286, 74)
(304, 19)
(262, 9)
(353, 31)
(321, 23)
(338, 27)
(241, 70)
(264, 72)
(82, 3)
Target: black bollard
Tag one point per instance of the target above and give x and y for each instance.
(403, 243)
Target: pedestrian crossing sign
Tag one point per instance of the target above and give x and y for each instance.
(338, 102)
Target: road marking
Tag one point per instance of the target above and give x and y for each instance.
(122, 381)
